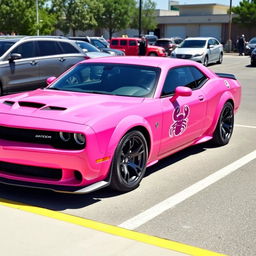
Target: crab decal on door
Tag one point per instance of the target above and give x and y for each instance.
(180, 121)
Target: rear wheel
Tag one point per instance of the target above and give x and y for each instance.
(224, 129)
(220, 58)
(129, 162)
(152, 54)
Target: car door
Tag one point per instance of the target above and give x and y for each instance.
(214, 50)
(54, 58)
(21, 73)
(184, 117)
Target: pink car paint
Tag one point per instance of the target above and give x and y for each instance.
(172, 123)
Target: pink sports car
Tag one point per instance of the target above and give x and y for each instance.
(105, 120)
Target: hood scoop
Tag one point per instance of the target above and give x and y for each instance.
(40, 106)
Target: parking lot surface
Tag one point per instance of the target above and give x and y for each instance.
(203, 196)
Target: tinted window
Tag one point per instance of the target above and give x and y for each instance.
(48, 48)
(193, 44)
(132, 43)
(114, 42)
(98, 43)
(68, 48)
(26, 50)
(113, 79)
(178, 77)
(123, 42)
(4, 46)
(199, 77)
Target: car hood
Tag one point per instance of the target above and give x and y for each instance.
(191, 51)
(80, 108)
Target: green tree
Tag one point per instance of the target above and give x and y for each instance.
(148, 17)
(117, 15)
(19, 16)
(246, 11)
(76, 14)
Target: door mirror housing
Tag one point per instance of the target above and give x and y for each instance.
(15, 56)
(181, 91)
(50, 79)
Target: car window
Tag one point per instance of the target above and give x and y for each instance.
(132, 43)
(98, 43)
(48, 48)
(4, 46)
(112, 79)
(114, 42)
(198, 76)
(68, 48)
(27, 50)
(181, 76)
(178, 41)
(215, 42)
(193, 44)
(123, 42)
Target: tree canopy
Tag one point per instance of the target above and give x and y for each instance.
(246, 11)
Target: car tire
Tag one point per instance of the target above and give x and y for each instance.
(220, 58)
(129, 163)
(206, 60)
(224, 129)
(152, 54)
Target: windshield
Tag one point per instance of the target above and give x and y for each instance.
(111, 79)
(4, 46)
(193, 44)
(252, 41)
(87, 46)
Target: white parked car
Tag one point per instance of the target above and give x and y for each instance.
(201, 49)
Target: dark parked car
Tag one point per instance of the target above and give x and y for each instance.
(100, 43)
(169, 44)
(26, 62)
(250, 46)
(253, 58)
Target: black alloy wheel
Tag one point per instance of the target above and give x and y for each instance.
(224, 129)
(129, 162)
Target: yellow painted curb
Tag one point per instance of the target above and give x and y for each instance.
(163, 243)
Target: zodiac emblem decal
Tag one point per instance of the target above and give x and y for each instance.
(180, 121)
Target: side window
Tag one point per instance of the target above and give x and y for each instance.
(123, 42)
(114, 42)
(216, 42)
(47, 48)
(68, 48)
(178, 77)
(98, 44)
(199, 77)
(132, 43)
(27, 50)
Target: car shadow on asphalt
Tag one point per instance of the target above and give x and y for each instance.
(61, 201)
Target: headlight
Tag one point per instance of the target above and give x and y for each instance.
(79, 138)
(65, 136)
(198, 54)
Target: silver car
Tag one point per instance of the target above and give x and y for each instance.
(201, 49)
(26, 62)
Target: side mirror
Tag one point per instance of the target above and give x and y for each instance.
(181, 91)
(50, 79)
(15, 56)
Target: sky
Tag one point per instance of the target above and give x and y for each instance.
(163, 4)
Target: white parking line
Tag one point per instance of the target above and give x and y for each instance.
(245, 126)
(172, 201)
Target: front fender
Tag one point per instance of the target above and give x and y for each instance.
(126, 124)
(227, 96)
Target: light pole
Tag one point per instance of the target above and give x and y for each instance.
(140, 9)
(37, 18)
(229, 43)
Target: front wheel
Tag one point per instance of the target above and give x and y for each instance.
(152, 54)
(129, 162)
(205, 62)
(224, 129)
(220, 58)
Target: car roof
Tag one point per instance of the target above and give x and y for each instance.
(199, 38)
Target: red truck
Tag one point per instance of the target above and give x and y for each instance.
(130, 46)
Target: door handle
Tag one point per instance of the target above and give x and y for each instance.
(201, 97)
(62, 59)
(33, 63)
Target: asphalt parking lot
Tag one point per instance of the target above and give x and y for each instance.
(202, 196)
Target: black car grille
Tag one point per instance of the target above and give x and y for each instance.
(184, 56)
(51, 138)
(30, 171)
